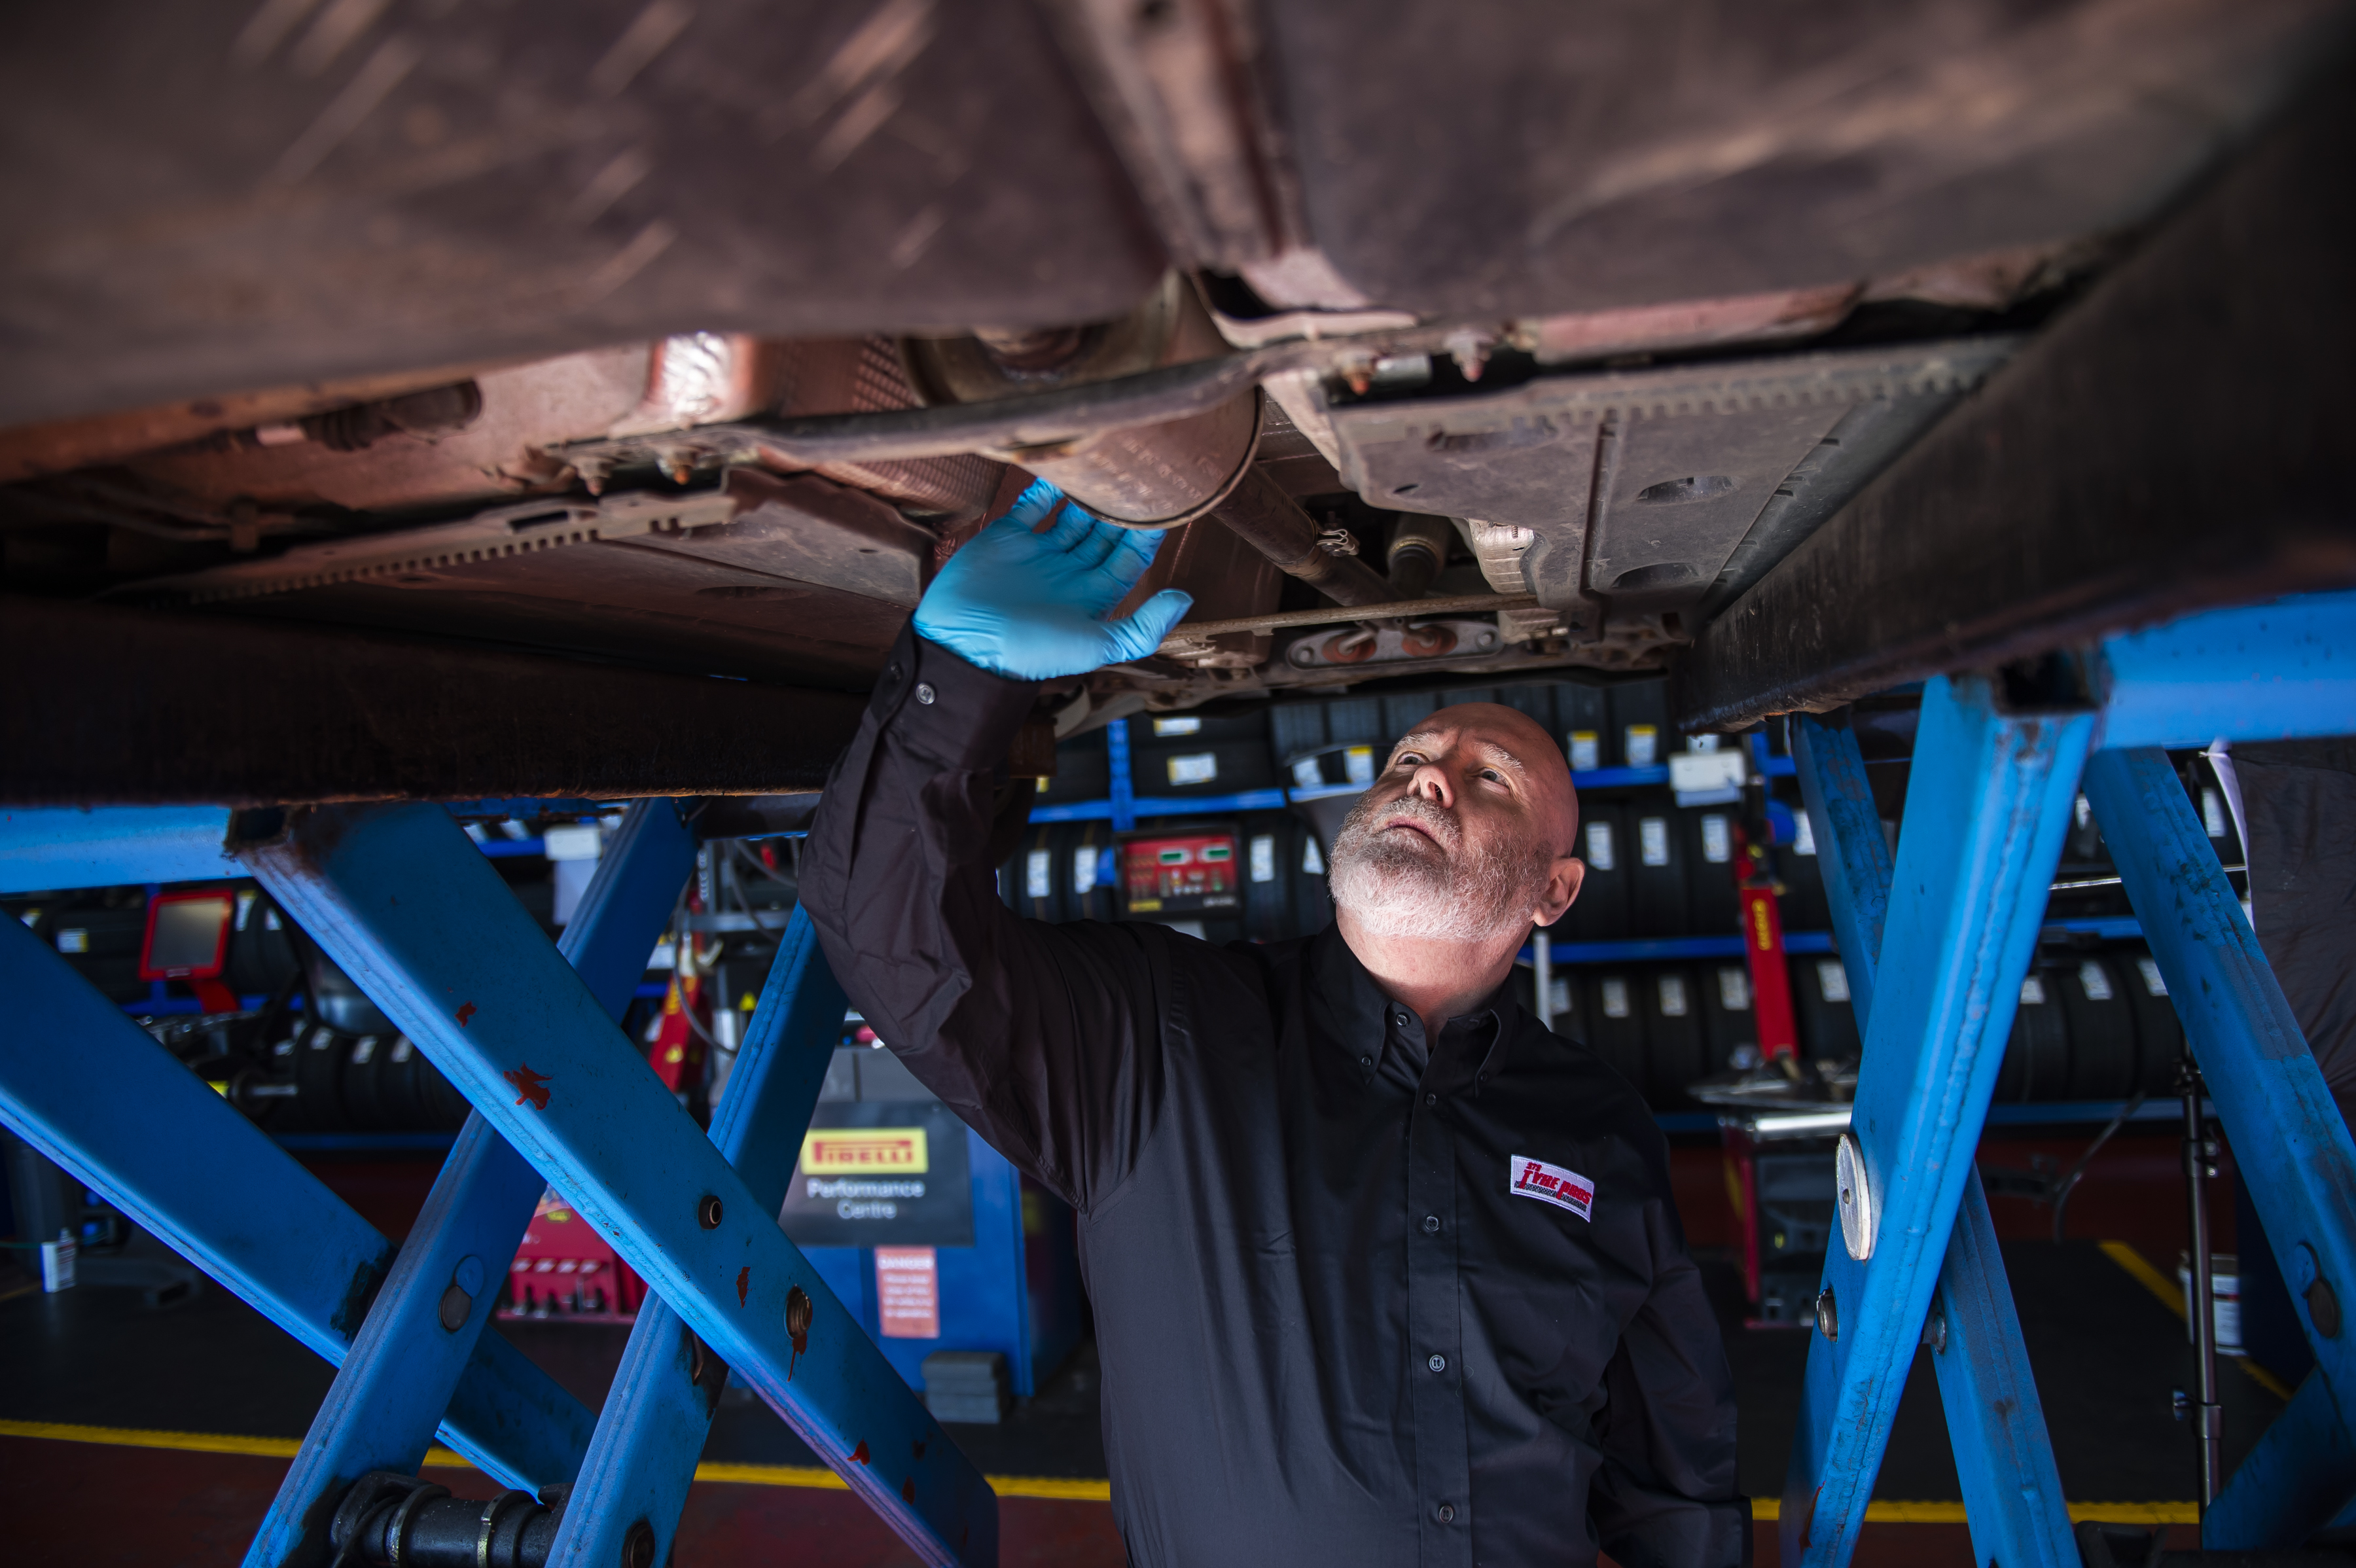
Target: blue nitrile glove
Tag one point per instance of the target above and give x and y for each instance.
(1032, 605)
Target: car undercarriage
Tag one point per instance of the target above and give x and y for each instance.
(379, 368)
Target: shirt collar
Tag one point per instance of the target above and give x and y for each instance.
(1358, 1014)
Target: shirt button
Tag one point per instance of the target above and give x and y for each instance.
(1445, 1513)
(1438, 1363)
(924, 693)
(1400, 1019)
(1432, 1224)
(1365, 1061)
(1431, 1099)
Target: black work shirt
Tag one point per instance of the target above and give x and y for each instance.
(1350, 1309)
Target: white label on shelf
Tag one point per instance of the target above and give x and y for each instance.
(2153, 984)
(1673, 996)
(1641, 745)
(363, 1050)
(1311, 861)
(1177, 727)
(1558, 993)
(1263, 857)
(57, 1264)
(1305, 774)
(1832, 979)
(1586, 751)
(1803, 833)
(1599, 846)
(572, 840)
(1358, 765)
(1194, 767)
(1038, 875)
(73, 940)
(2213, 813)
(2084, 810)
(1704, 743)
(1717, 839)
(1734, 988)
(1615, 998)
(2032, 991)
(1653, 840)
(1084, 868)
(1698, 773)
(2096, 984)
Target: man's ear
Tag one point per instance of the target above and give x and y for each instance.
(1562, 887)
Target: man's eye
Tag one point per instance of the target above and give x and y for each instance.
(1409, 759)
(1493, 776)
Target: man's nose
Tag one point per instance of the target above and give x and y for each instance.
(1431, 784)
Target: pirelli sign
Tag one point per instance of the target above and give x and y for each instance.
(865, 1151)
(881, 1173)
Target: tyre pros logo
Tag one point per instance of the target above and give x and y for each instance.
(1526, 1177)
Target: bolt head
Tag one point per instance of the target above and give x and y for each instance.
(638, 1546)
(1827, 1314)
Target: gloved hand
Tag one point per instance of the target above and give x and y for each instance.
(1032, 605)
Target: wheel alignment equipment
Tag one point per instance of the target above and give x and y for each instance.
(1987, 803)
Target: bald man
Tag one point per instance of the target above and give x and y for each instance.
(1384, 1272)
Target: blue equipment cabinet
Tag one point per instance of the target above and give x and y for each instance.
(1006, 1260)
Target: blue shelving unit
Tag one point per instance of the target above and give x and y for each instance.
(1274, 800)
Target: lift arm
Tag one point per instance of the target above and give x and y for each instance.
(453, 1268)
(399, 896)
(1996, 1424)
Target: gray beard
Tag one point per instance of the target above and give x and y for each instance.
(1398, 888)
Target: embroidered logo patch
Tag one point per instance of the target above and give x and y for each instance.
(1526, 1177)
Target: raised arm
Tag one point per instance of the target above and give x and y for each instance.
(1045, 1040)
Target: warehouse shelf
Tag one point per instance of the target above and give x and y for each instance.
(1276, 799)
(1648, 950)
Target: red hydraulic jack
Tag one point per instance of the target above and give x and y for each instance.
(1779, 1038)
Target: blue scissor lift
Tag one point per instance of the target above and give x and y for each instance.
(1937, 942)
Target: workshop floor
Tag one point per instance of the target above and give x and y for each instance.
(174, 1427)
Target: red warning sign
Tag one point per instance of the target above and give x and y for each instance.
(908, 1291)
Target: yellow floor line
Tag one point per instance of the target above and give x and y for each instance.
(2171, 1296)
(1055, 1487)
(1767, 1510)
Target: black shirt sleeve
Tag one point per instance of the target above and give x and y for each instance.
(1665, 1494)
(1044, 1038)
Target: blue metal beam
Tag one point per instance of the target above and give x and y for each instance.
(660, 1408)
(393, 1389)
(2294, 1149)
(1996, 1423)
(112, 846)
(1851, 853)
(398, 897)
(1123, 788)
(1987, 807)
(132, 1123)
(2271, 672)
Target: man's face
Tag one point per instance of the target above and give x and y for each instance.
(1466, 834)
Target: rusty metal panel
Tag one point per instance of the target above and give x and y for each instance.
(2181, 439)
